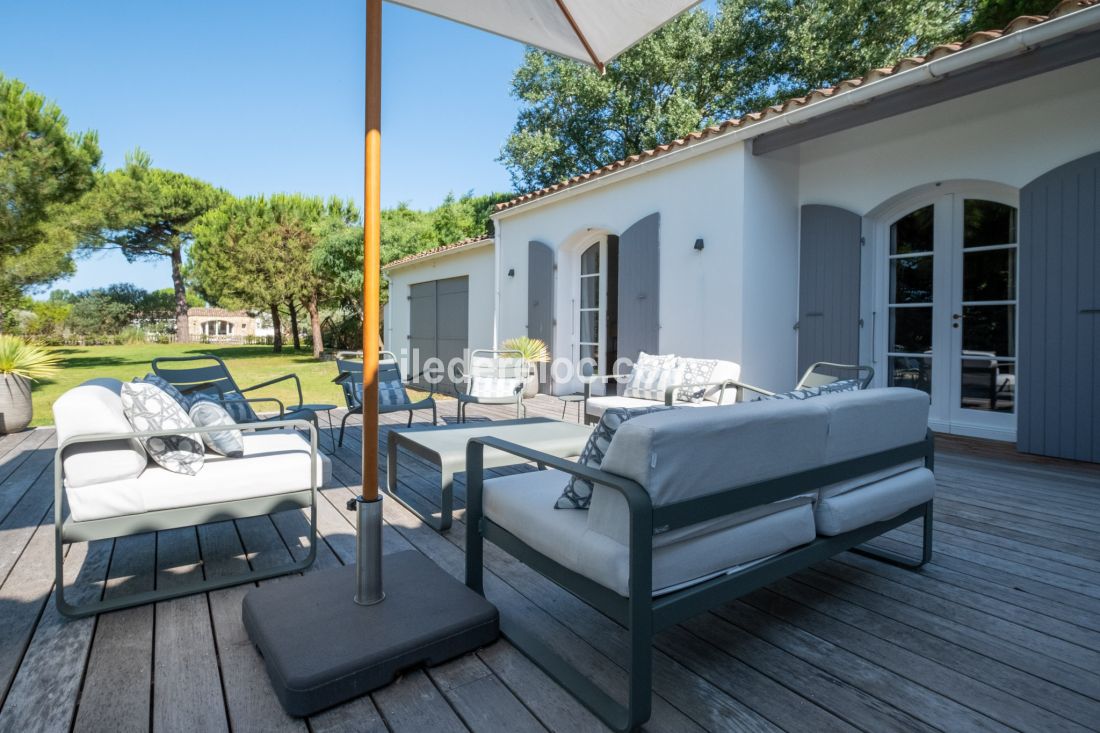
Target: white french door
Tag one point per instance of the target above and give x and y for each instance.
(591, 300)
(948, 291)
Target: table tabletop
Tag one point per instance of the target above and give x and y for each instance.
(448, 443)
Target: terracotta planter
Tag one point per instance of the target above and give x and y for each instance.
(15, 403)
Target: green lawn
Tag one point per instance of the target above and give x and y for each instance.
(248, 364)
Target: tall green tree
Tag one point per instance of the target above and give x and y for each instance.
(703, 68)
(43, 167)
(148, 214)
(258, 252)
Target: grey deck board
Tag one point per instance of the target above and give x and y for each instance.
(1001, 631)
(116, 694)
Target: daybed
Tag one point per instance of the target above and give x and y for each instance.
(105, 486)
(692, 508)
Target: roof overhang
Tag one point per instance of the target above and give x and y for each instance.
(438, 253)
(933, 89)
(1047, 46)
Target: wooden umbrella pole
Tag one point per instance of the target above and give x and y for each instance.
(372, 204)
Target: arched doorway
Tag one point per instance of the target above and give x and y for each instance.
(946, 266)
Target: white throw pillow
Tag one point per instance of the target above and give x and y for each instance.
(149, 408)
(229, 443)
(652, 375)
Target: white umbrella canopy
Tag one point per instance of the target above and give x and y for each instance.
(591, 31)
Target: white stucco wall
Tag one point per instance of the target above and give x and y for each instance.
(737, 299)
(475, 264)
(1010, 134)
(700, 291)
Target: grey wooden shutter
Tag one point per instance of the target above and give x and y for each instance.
(540, 301)
(828, 286)
(639, 282)
(1057, 396)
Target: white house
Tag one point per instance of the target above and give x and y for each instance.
(936, 220)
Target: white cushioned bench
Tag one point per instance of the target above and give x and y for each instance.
(714, 394)
(106, 486)
(692, 508)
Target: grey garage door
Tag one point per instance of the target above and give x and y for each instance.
(438, 321)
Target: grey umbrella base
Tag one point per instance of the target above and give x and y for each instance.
(321, 648)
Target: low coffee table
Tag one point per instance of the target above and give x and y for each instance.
(446, 447)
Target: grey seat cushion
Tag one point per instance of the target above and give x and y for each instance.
(521, 504)
(578, 491)
(874, 502)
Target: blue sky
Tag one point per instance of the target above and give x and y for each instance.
(262, 97)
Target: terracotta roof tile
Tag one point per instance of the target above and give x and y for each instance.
(1065, 7)
(436, 250)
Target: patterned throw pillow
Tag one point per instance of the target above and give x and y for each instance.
(795, 394)
(652, 375)
(696, 371)
(168, 387)
(842, 385)
(148, 407)
(578, 492)
(390, 393)
(239, 409)
(228, 443)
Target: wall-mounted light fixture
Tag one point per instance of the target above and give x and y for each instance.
(699, 245)
(512, 272)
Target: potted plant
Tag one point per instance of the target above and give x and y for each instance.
(534, 352)
(20, 364)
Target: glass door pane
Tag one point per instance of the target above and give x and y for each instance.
(911, 263)
(986, 313)
(590, 312)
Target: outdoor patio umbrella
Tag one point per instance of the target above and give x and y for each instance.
(310, 632)
(591, 31)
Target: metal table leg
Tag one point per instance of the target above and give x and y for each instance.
(446, 488)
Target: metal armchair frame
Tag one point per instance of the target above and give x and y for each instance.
(465, 398)
(642, 614)
(351, 374)
(67, 531)
(216, 376)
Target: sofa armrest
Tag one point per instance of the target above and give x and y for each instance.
(639, 505)
(670, 392)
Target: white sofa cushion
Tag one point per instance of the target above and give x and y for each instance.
(274, 462)
(520, 503)
(90, 408)
(652, 375)
(742, 444)
(874, 502)
(596, 406)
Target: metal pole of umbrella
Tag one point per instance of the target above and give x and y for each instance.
(368, 505)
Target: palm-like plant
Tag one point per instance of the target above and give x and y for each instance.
(534, 350)
(27, 360)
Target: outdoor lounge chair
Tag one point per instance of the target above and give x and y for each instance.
(392, 395)
(493, 377)
(208, 373)
(691, 509)
(106, 487)
(819, 375)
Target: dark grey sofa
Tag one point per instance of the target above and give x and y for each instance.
(693, 508)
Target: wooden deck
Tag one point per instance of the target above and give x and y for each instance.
(1000, 632)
